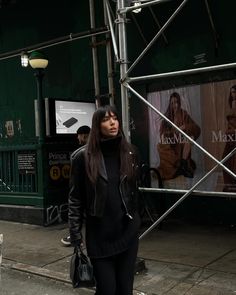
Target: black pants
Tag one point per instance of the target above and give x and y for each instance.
(115, 275)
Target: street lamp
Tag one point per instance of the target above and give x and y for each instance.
(24, 59)
(39, 62)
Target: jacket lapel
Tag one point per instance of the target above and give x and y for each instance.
(102, 169)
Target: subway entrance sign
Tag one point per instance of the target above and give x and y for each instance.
(59, 167)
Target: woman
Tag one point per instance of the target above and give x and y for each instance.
(229, 181)
(104, 187)
(174, 149)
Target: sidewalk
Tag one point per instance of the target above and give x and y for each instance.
(181, 259)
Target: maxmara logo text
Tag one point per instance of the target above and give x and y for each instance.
(219, 136)
(176, 138)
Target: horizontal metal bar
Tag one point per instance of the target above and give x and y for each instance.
(181, 73)
(181, 191)
(22, 195)
(8, 148)
(54, 42)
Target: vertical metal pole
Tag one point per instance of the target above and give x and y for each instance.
(109, 59)
(123, 67)
(41, 122)
(39, 73)
(94, 54)
(112, 32)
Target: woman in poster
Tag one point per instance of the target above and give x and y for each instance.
(230, 181)
(174, 149)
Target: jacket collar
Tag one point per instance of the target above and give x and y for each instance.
(103, 172)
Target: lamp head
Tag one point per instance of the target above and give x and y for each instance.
(37, 60)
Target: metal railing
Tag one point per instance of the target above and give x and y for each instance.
(17, 172)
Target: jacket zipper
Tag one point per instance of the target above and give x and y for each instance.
(123, 201)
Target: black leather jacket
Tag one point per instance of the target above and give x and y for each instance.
(85, 198)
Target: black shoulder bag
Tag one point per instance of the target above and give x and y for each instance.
(81, 269)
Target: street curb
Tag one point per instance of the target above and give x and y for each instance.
(64, 278)
(39, 271)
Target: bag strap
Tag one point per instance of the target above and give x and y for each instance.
(78, 250)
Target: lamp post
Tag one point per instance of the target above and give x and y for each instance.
(39, 62)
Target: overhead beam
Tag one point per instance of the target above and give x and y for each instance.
(182, 73)
(54, 42)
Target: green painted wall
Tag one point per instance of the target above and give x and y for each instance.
(69, 73)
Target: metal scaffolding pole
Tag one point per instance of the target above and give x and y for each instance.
(160, 32)
(184, 196)
(125, 80)
(183, 191)
(112, 32)
(109, 59)
(123, 67)
(158, 24)
(94, 54)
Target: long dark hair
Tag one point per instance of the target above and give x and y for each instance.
(169, 112)
(93, 155)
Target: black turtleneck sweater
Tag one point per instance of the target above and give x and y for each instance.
(114, 232)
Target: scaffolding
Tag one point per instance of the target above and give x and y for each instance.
(126, 82)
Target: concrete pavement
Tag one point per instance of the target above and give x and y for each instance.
(181, 258)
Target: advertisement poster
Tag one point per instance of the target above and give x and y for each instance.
(207, 114)
(70, 115)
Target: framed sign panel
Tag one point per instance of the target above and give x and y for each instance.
(64, 117)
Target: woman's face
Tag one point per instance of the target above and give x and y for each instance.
(109, 125)
(174, 106)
